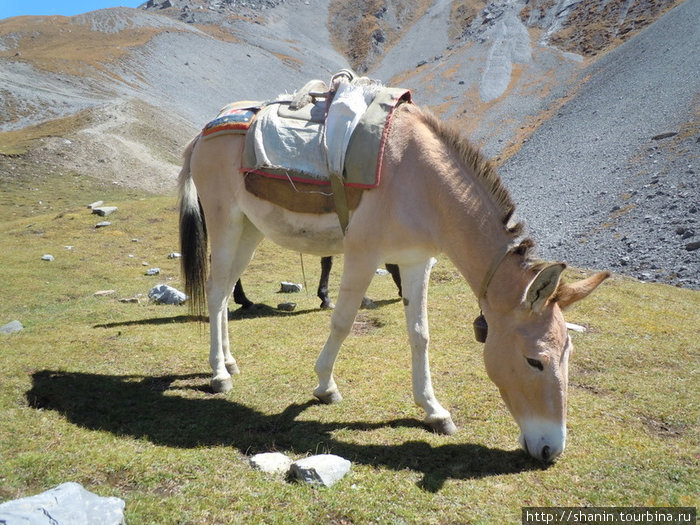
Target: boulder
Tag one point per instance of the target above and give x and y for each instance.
(66, 504)
(322, 470)
(165, 294)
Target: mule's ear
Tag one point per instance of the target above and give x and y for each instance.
(543, 287)
(568, 294)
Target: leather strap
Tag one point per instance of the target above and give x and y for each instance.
(495, 263)
(341, 201)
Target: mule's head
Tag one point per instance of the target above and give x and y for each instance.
(527, 354)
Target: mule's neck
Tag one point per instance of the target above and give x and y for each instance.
(471, 227)
(460, 206)
(477, 242)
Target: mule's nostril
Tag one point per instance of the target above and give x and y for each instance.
(545, 453)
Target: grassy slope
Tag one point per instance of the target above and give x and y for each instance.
(115, 395)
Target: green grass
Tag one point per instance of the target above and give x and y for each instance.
(115, 396)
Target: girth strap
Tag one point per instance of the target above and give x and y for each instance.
(341, 201)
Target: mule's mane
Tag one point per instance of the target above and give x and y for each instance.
(484, 171)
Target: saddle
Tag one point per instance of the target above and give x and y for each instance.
(330, 136)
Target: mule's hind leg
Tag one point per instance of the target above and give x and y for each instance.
(414, 280)
(232, 248)
(358, 270)
(326, 265)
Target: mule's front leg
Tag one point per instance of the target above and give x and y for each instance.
(357, 274)
(414, 279)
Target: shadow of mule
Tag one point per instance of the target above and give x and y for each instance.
(137, 406)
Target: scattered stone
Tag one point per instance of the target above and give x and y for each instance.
(367, 304)
(381, 271)
(174, 255)
(153, 271)
(271, 463)
(134, 300)
(576, 327)
(102, 293)
(103, 211)
(287, 307)
(95, 204)
(11, 327)
(68, 503)
(662, 136)
(692, 246)
(47, 257)
(286, 287)
(165, 294)
(103, 224)
(322, 470)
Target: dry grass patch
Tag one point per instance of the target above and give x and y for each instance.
(21, 141)
(66, 46)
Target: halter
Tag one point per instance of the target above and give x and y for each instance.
(480, 325)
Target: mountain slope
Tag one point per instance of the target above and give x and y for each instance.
(537, 84)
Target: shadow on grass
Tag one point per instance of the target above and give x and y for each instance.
(149, 407)
(257, 310)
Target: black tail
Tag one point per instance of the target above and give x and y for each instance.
(193, 238)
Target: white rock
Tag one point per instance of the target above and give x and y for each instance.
(67, 504)
(174, 255)
(287, 307)
(103, 211)
(271, 462)
(11, 327)
(103, 224)
(47, 257)
(153, 271)
(286, 287)
(165, 294)
(322, 470)
(95, 204)
(576, 327)
(101, 293)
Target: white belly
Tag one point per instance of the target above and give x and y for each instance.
(302, 232)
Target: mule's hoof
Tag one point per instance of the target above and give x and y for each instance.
(442, 426)
(329, 398)
(327, 305)
(221, 386)
(232, 368)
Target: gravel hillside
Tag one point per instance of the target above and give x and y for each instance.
(610, 181)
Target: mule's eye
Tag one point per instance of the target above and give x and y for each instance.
(534, 363)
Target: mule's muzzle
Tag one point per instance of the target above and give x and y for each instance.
(545, 452)
(481, 328)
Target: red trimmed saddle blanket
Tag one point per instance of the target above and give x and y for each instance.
(314, 135)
